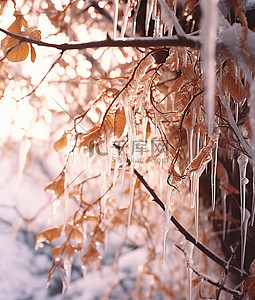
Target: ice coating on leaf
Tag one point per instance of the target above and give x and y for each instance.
(209, 24)
(244, 228)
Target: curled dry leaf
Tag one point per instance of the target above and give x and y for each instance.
(90, 256)
(48, 235)
(57, 187)
(91, 135)
(61, 143)
(199, 163)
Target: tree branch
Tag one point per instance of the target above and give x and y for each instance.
(144, 42)
(213, 256)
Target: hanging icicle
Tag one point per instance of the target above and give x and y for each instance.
(244, 228)
(115, 18)
(242, 161)
(209, 24)
(214, 173)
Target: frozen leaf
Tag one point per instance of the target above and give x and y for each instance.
(56, 253)
(48, 235)
(119, 122)
(108, 123)
(62, 142)
(73, 233)
(91, 135)
(201, 160)
(90, 256)
(99, 236)
(57, 186)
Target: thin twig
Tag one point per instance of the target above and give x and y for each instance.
(36, 87)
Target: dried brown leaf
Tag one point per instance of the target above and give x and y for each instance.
(57, 186)
(201, 160)
(119, 122)
(91, 255)
(33, 53)
(91, 135)
(61, 143)
(48, 235)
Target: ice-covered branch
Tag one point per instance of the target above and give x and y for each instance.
(220, 261)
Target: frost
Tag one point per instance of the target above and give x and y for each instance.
(209, 24)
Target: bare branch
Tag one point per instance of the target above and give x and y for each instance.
(144, 42)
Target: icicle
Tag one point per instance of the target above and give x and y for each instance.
(236, 72)
(123, 160)
(220, 74)
(115, 19)
(189, 133)
(131, 131)
(132, 190)
(189, 270)
(244, 228)
(149, 9)
(242, 162)
(209, 34)
(125, 19)
(115, 172)
(252, 125)
(135, 17)
(66, 276)
(224, 212)
(69, 162)
(145, 122)
(236, 112)
(24, 148)
(253, 194)
(167, 218)
(198, 142)
(195, 199)
(213, 173)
